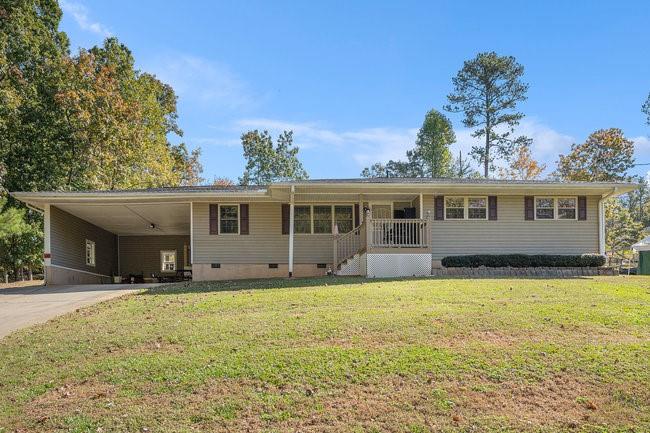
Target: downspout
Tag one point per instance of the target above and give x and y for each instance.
(601, 220)
(291, 213)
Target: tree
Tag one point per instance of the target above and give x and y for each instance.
(265, 163)
(461, 168)
(622, 231)
(188, 164)
(646, 109)
(606, 155)
(222, 181)
(523, 166)
(487, 90)
(432, 144)
(431, 156)
(638, 202)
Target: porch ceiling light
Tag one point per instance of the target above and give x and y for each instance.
(152, 226)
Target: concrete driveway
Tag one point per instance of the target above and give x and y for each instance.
(25, 306)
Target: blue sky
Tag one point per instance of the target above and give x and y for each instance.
(354, 79)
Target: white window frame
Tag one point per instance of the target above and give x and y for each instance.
(162, 260)
(238, 205)
(556, 216)
(332, 213)
(466, 207)
(93, 253)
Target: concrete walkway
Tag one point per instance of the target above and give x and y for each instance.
(24, 306)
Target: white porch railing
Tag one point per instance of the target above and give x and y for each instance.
(381, 233)
(346, 245)
(398, 233)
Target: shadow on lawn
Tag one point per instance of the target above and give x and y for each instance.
(283, 283)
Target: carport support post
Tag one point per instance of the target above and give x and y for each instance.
(291, 232)
(47, 252)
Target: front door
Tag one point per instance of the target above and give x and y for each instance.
(381, 210)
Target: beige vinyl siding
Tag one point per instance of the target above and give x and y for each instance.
(512, 234)
(68, 236)
(141, 254)
(264, 244)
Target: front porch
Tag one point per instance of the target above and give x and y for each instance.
(384, 247)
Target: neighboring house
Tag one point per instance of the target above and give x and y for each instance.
(373, 227)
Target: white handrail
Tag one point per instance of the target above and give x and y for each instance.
(346, 245)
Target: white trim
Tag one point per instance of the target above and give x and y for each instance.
(556, 216)
(421, 216)
(93, 255)
(162, 262)
(238, 218)
(466, 207)
(192, 232)
(79, 270)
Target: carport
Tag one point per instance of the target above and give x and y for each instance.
(96, 237)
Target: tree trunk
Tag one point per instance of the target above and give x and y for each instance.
(30, 274)
(6, 278)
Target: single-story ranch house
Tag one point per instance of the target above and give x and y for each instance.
(373, 227)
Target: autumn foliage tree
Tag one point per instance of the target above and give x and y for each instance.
(522, 166)
(606, 155)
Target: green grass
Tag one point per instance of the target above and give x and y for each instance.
(334, 354)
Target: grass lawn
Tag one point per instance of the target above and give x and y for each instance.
(335, 354)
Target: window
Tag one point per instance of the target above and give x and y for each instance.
(90, 253)
(454, 208)
(544, 208)
(168, 261)
(561, 208)
(302, 219)
(466, 208)
(477, 208)
(229, 219)
(344, 218)
(566, 208)
(322, 219)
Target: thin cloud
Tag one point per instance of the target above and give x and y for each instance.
(80, 14)
(209, 83)
(366, 145)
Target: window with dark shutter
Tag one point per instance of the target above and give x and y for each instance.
(243, 219)
(214, 219)
(529, 208)
(285, 219)
(439, 208)
(492, 208)
(582, 208)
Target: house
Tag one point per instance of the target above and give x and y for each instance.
(373, 227)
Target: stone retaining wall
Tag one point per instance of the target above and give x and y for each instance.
(521, 272)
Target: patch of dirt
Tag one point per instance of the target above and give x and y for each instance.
(392, 405)
(21, 284)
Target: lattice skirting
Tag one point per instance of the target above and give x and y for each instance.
(398, 265)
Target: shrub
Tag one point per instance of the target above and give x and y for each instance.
(524, 261)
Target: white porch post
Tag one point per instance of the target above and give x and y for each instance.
(291, 232)
(47, 245)
(191, 233)
(421, 207)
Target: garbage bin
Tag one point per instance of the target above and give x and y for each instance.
(643, 248)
